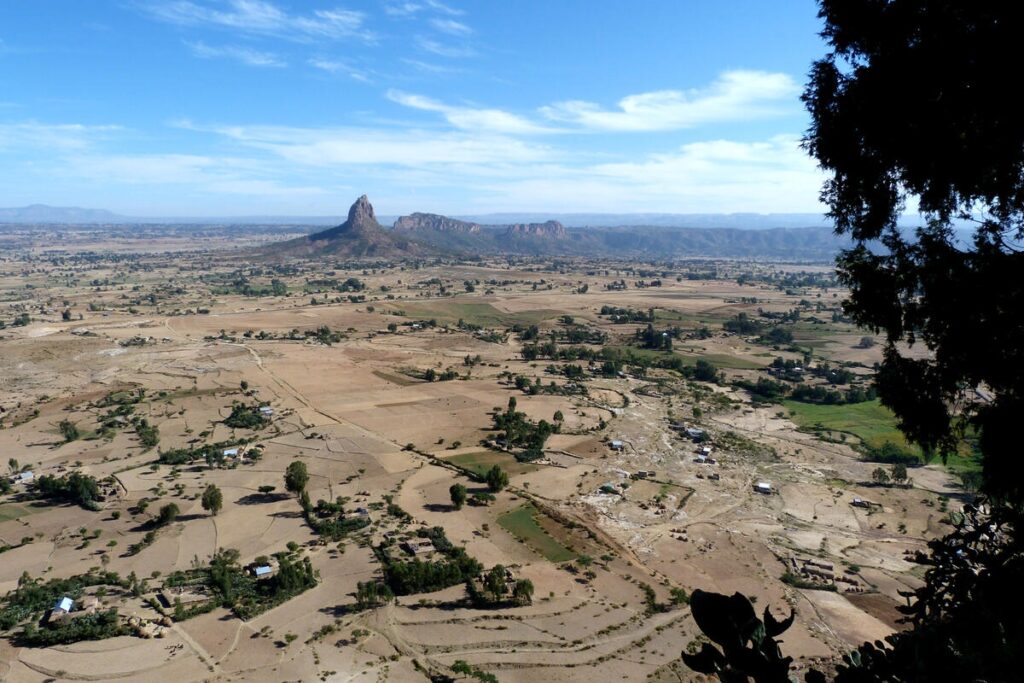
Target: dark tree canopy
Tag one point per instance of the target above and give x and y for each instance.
(914, 105)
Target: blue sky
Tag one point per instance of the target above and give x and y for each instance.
(221, 107)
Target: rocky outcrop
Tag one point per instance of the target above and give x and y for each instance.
(552, 229)
(361, 223)
(436, 222)
(359, 236)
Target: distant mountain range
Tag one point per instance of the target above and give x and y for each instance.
(425, 234)
(743, 235)
(43, 214)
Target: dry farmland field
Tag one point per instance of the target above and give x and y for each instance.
(607, 423)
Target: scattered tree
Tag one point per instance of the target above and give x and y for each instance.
(68, 430)
(497, 479)
(880, 477)
(213, 499)
(296, 477)
(458, 494)
(168, 513)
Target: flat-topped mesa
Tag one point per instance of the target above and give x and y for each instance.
(436, 222)
(546, 229)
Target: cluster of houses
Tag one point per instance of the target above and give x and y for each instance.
(820, 571)
(67, 609)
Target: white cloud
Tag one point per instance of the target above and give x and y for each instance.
(734, 96)
(451, 27)
(470, 119)
(408, 9)
(335, 66)
(265, 18)
(47, 136)
(403, 9)
(243, 55)
(430, 68)
(438, 6)
(444, 50)
(340, 147)
(207, 174)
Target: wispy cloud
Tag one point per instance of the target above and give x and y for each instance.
(451, 27)
(444, 50)
(335, 66)
(59, 136)
(408, 9)
(264, 18)
(404, 9)
(206, 174)
(438, 6)
(469, 118)
(735, 95)
(341, 147)
(430, 68)
(244, 55)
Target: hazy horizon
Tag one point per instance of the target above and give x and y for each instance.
(259, 107)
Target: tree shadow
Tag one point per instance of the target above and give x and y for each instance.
(260, 498)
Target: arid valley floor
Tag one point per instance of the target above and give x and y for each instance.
(385, 379)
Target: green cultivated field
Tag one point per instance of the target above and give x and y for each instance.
(478, 463)
(871, 422)
(522, 524)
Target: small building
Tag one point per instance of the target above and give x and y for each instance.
(266, 410)
(362, 512)
(230, 453)
(616, 444)
(26, 477)
(263, 571)
(64, 605)
(420, 547)
(694, 433)
(764, 488)
(705, 451)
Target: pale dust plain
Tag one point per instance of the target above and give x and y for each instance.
(352, 409)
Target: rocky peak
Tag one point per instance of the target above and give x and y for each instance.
(361, 214)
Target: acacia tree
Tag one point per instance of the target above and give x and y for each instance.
(911, 107)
